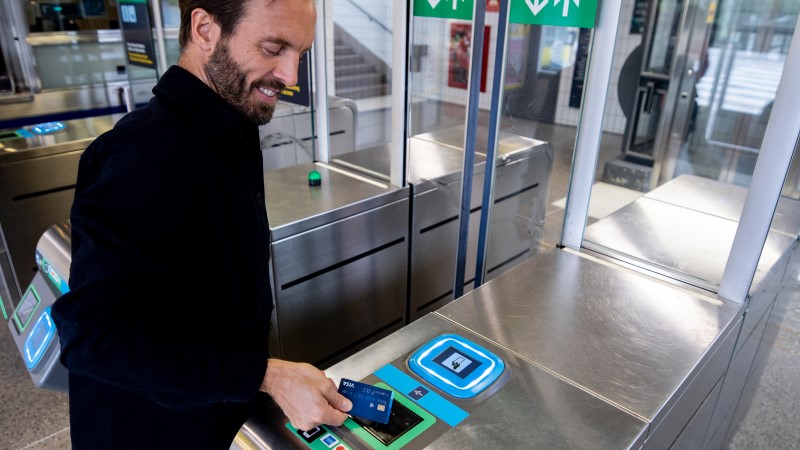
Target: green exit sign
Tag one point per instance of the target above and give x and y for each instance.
(444, 9)
(563, 13)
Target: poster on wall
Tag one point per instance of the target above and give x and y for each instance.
(458, 69)
(579, 73)
(135, 24)
(516, 61)
(639, 19)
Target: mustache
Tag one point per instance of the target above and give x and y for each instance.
(272, 85)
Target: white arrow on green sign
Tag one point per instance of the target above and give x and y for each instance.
(564, 13)
(444, 9)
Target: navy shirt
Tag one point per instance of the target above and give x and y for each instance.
(165, 328)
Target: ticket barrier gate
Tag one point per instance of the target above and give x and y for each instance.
(31, 323)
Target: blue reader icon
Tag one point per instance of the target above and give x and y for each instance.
(457, 366)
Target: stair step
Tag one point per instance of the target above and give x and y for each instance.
(341, 50)
(354, 69)
(365, 92)
(359, 80)
(347, 60)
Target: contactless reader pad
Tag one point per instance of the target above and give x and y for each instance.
(456, 365)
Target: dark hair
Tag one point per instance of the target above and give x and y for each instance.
(227, 14)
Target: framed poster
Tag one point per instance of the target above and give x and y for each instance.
(135, 24)
(459, 56)
(517, 59)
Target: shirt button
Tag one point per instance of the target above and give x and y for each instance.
(259, 197)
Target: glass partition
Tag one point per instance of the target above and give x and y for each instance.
(688, 133)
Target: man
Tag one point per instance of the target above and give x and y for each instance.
(165, 328)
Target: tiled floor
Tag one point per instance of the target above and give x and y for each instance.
(37, 419)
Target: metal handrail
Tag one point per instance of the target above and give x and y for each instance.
(370, 16)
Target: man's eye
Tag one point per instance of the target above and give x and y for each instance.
(272, 51)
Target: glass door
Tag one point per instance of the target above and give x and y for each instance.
(725, 80)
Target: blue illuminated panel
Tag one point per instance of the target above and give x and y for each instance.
(39, 339)
(457, 366)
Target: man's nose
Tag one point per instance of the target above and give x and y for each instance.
(287, 69)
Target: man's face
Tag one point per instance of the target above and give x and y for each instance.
(261, 57)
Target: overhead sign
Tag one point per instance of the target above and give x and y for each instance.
(444, 9)
(136, 32)
(562, 13)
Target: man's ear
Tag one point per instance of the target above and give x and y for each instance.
(205, 31)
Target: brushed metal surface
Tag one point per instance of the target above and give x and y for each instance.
(341, 283)
(294, 207)
(76, 135)
(37, 184)
(723, 200)
(687, 401)
(533, 410)
(688, 245)
(734, 381)
(620, 335)
(516, 229)
(694, 435)
(508, 143)
(55, 246)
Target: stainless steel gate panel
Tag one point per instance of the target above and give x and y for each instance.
(435, 162)
(698, 248)
(339, 261)
(734, 381)
(625, 337)
(698, 427)
(723, 200)
(691, 395)
(534, 409)
(37, 184)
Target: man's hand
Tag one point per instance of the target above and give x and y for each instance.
(305, 394)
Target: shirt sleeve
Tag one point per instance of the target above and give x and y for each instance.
(129, 319)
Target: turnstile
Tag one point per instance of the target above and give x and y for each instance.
(31, 324)
(435, 162)
(339, 258)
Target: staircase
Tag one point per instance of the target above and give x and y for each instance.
(359, 73)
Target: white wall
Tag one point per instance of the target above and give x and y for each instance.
(614, 119)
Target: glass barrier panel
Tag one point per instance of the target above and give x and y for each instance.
(680, 145)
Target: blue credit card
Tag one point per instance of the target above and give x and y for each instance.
(369, 402)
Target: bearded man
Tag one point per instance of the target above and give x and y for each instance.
(165, 328)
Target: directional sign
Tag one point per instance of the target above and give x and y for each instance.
(565, 13)
(444, 9)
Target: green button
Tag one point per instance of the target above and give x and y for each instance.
(314, 178)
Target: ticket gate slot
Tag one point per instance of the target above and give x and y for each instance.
(31, 323)
(445, 379)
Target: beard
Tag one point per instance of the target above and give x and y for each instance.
(230, 82)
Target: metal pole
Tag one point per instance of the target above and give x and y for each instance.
(491, 145)
(397, 162)
(769, 175)
(476, 51)
(155, 6)
(590, 125)
(321, 74)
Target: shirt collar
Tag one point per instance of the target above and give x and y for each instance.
(199, 102)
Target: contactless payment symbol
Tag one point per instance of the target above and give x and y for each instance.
(310, 435)
(418, 393)
(329, 440)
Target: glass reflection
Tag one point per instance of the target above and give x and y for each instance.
(691, 95)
